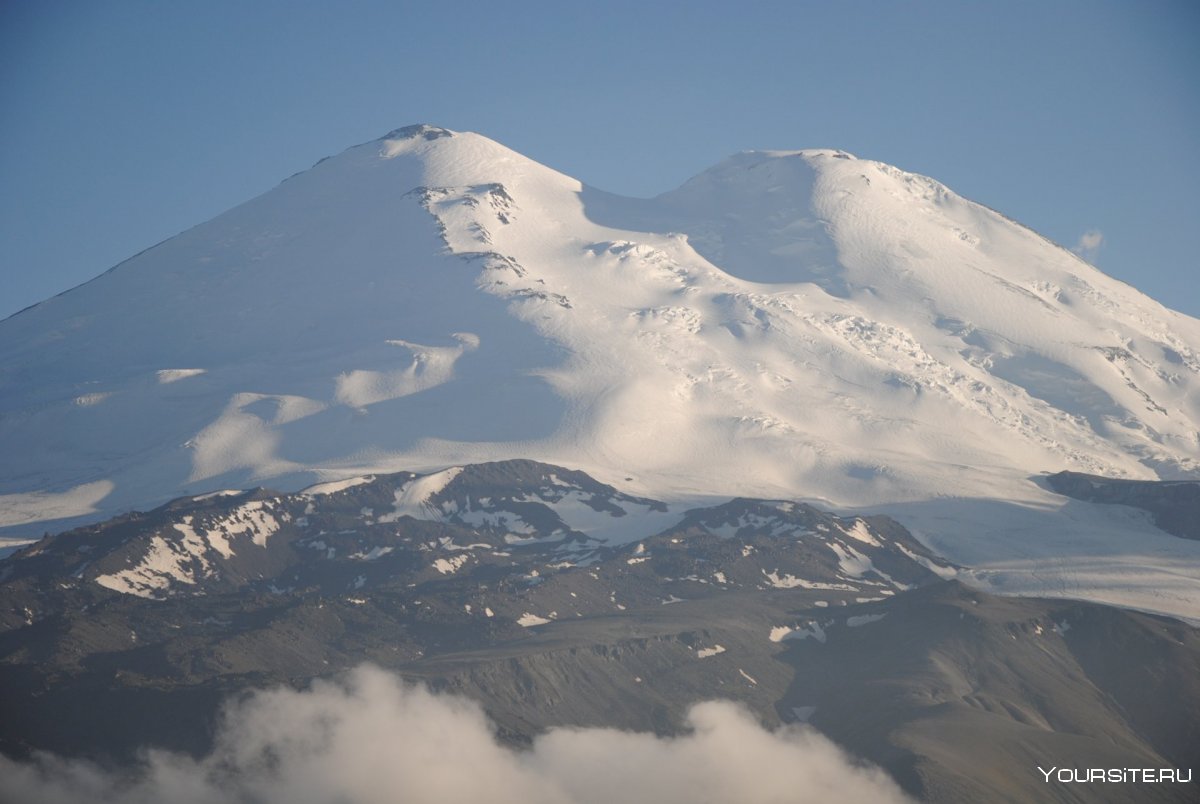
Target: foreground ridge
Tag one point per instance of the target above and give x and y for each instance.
(554, 599)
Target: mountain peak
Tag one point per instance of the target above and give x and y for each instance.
(444, 158)
(803, 153)
(419, 130)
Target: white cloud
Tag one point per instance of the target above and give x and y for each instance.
(373, 739)
(1089, 244)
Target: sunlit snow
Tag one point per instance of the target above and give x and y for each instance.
(787, 324)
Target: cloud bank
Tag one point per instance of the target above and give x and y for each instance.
(372, 739)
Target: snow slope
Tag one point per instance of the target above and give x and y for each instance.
(787, 324)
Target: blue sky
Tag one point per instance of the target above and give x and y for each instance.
(123, 123)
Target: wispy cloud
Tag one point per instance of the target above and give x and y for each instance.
(1089, 244)
(373, 739)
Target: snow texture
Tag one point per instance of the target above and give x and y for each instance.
(787, 324)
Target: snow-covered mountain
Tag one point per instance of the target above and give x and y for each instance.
(800, 325)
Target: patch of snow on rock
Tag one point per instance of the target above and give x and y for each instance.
(860, 532)
(448, 566)
(164, 563)
(813, 629)
(334, 486)
(166, 376)
(412, 499)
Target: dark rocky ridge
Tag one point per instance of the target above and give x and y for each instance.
(842, 622)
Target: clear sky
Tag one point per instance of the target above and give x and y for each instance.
(123, 123)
